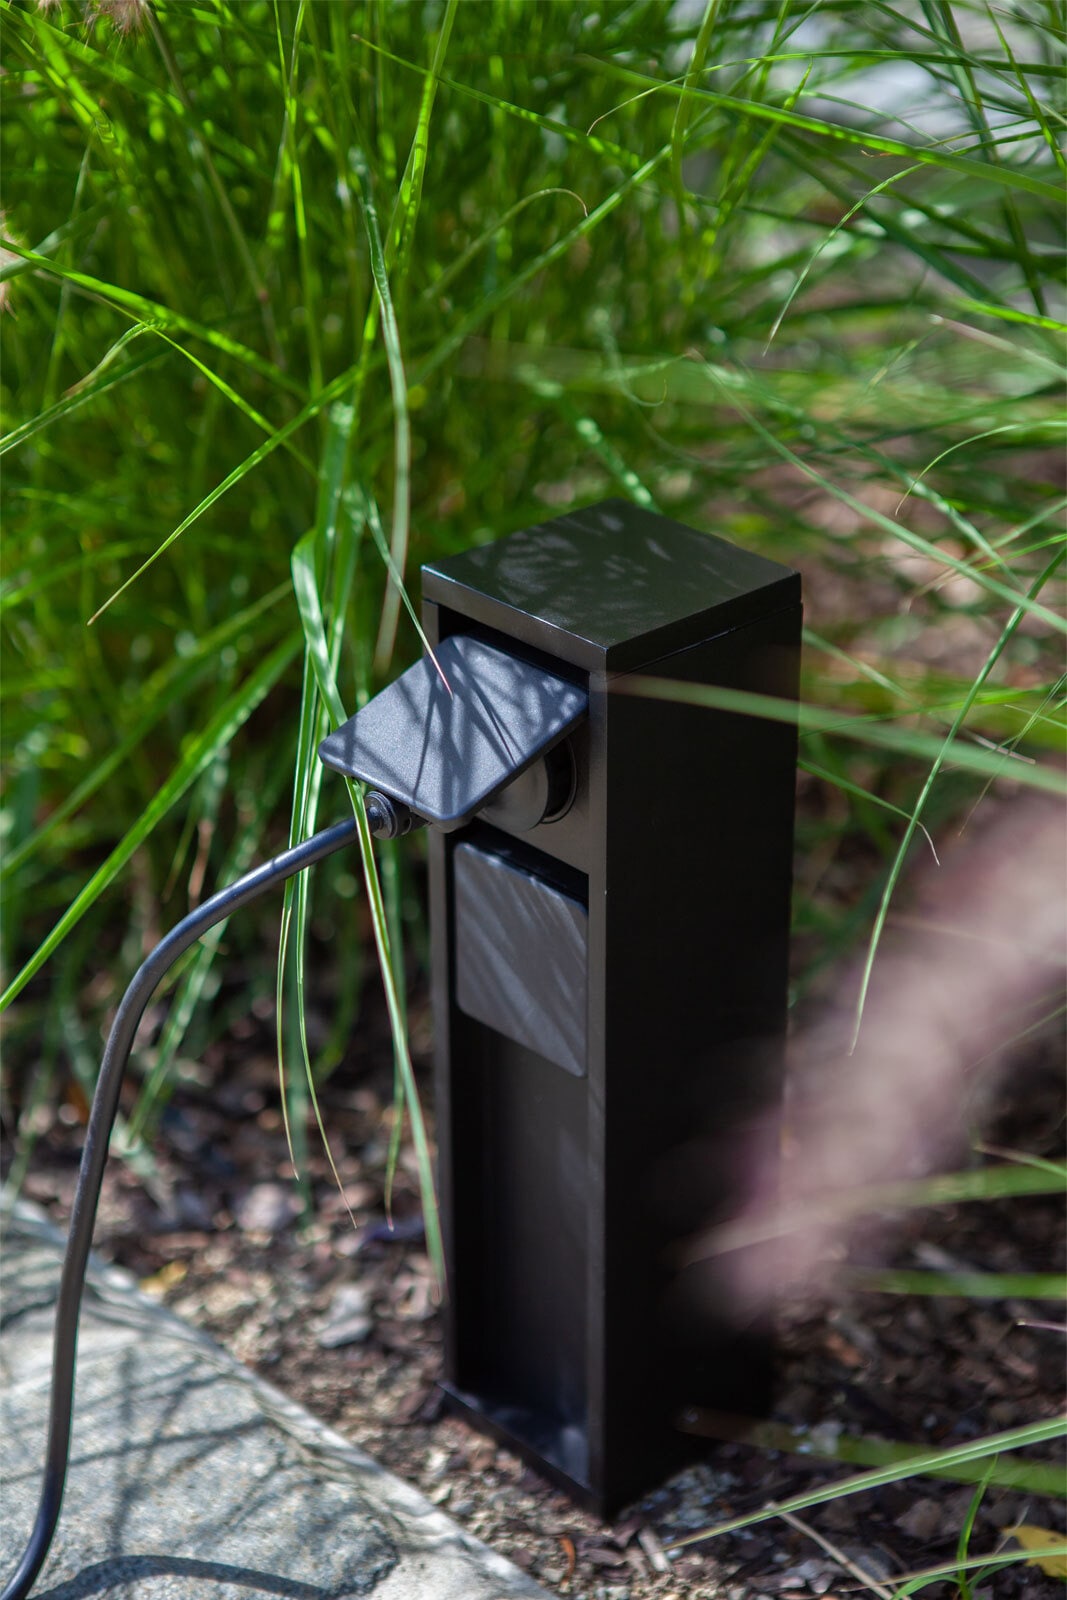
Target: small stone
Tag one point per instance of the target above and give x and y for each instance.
(954, 1511)
(822, 1439)
(192, 1210)
(922, 1520)
(871, 1562)
(481, 1455)
(348, 1320)
(225, 1296)
(350, 1300)
(691, 1516)
(357, 1330)
(654, 1551)
(815, 1574)
(266, 1208)
(838, 1516)
(600, 1556)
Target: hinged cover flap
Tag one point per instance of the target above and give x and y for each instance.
(446, 751)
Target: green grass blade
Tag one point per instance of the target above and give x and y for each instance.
(309, 604)
(897, 865)
(190, 992)
(848, 787)
(154, 315)
(200, 751)
(817, 719)
(1025, 1476)
(104, 376)
(953, 1188)
(310, 563)
(339, 386)
(401, 421)
(306, 779)
(455, 268)
(218, 187)
(423, 1154)
(934, 155)
(370, 513)
(585, 141)
(402, 228)
(931, 1461)
(967, 1285)
(307, 277)
(681, 113)
(165, 691)
(906, 536)
(491, 303)
(995, 1561)
(1027, 319)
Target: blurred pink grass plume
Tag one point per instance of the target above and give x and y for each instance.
(987, 939)
(127, 16)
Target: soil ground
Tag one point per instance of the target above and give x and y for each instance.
(339, 1312)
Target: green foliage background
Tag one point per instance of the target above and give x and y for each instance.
(293, 284)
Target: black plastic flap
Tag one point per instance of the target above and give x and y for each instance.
(521, 956)
(445, 742)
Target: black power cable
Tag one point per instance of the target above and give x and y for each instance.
(94, 1155)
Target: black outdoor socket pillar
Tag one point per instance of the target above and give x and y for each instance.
(610, 882)
(610, 872)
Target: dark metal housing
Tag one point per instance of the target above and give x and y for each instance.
(609, 992)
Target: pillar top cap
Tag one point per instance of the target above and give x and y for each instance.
(611, 587)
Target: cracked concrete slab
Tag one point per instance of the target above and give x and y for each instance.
(192, 1477)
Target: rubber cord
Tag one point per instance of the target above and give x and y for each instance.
(94, 1156)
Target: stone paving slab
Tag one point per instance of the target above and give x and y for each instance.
(190, 1476)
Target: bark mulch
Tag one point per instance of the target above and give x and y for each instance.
(338, 1311)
